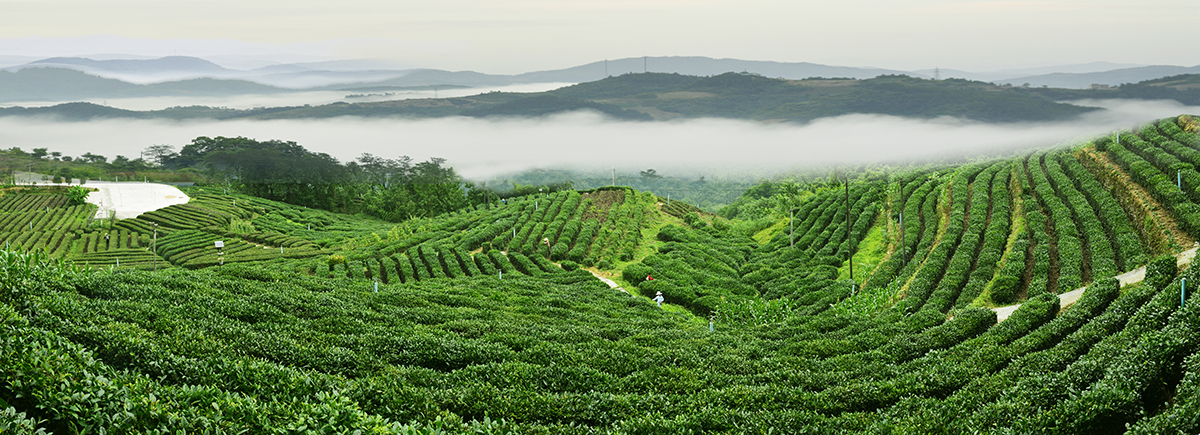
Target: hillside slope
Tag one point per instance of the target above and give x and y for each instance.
(473, 328)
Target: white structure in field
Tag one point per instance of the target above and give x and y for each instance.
(130, 199)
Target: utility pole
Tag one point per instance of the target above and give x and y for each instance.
(614, 176)
(644, 68)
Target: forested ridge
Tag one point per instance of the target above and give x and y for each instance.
(856, 303)
(732, 95)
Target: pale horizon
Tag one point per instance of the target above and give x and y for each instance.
(249, 62)
(521, 36)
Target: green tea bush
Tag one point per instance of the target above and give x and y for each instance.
(1160, 271)
(1004, 289)
(636, 273)
(485, 264)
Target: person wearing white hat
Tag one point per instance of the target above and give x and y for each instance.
(659, 298)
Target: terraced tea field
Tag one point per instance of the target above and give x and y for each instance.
(480, 321)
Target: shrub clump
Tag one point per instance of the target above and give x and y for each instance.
(1004, 289)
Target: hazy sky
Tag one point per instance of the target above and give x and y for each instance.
(512, 36)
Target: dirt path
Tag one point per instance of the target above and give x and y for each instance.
(1069, 298)
(611, 283)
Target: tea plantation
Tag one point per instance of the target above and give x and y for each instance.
(485, 321)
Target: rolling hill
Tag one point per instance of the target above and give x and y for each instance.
(1113, 77)
(340, 74)
(660, 96)
(825, 307)
(59, 84)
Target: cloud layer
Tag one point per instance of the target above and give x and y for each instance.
(483, 148)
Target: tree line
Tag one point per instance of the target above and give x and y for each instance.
(390, 189)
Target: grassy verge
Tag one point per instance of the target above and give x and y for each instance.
(871, 251)
(764, 236)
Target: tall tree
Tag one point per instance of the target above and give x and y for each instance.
(160, 154)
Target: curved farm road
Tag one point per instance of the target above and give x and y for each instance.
(130, 199)
(1069, 298)
(611, 283)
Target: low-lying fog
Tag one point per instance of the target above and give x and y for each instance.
(483, 148)
(299, 98)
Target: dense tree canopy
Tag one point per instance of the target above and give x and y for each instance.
(392, 189)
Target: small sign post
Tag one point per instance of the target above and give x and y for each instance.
(220, 253)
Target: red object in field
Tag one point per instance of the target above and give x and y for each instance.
(649, 278)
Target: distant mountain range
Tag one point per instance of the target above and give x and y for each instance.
(181, 68)
(675, 87)
(169, 64)
(61, 84)
(76, 78)
(1111, 78)
(699, 66)
(343, 74)
(663, 96)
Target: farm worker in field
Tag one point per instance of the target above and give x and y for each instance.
(650, 278)
(546, 241)
(659, 298)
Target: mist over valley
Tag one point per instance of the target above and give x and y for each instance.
(484, 148)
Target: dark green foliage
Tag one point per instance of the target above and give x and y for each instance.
(636, 273)
(1004, 289)
(501, 261)
(1180, 418)
(485, 264)
(271, 344)
(1160, 270)
(1127, 248)
(77, 195)
(995, 238)
(468, 263)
